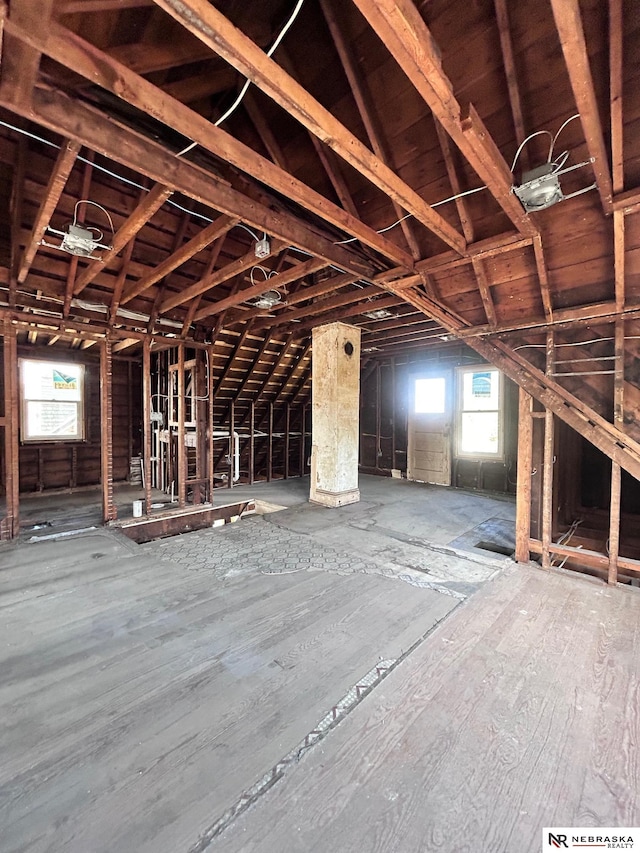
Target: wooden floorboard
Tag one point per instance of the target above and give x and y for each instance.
(139, 698)
(519, 711)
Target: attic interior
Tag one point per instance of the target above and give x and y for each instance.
(196, 194)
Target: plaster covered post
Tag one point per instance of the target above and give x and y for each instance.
(335, 415)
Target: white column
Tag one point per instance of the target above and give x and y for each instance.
(335, 392)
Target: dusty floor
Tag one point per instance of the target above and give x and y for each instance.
(310, 679)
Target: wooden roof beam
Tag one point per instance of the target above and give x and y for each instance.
(226, 272)
(615, 94)
(123, 145)
(619, 258)
(569, 26)
(401, 28)
(231, 360)
(264, 131)
(85, 59)
(365, 106)
(61, 170)
(71, 7)
(485, 291)
(460, 203)
(21, 61)
(120, 282)
(144, 211)
(16, 207)
(321, 306)
(218, 228)
(218, 33)
(281, 280)
(194, 304)
(304, 294)
(508, 60)
(543, 277)
(191, 89)
(85, 192)
(350, 310)
(332, 170)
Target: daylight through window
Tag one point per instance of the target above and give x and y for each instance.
(52, 400)
(480, 412)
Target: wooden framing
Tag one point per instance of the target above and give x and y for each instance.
(214, 30)
(61, 170)
(523, 483)
(548, 463)
(109, 510)
(218, 228)
(569, 24)
(147, 406)
(148, 205)
(367, 113)
(73, 52)
(10, 525)
(401, 28)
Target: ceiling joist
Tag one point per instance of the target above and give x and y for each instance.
(219, 34)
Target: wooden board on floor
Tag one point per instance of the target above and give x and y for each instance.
(520, 711)
(140, 697)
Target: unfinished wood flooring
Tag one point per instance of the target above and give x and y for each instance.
(140, 697)
(521, 710)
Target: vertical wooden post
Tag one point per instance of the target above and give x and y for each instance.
(109, 510)
(547, 472)
(616, 473)
(303, 426)
(286, 441)
(378, 396)
(523, 486)
(182, 456)
(270, 447)
(146, 422)
(232, 426)
(130, 425)
(252, 439)
(11, 525)
(393, 412)
(210, 459)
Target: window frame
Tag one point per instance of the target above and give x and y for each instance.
(80, 435)
(499, 454)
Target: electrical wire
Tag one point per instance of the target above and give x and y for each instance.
(530, 137)
(402, 218)
(247, 83)
(100, 207)
(126, 180)
(574, 344)
(562, 127)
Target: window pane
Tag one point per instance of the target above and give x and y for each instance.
(49, 419)
(430, 396)
(479, 432)
(480, 390)
(46, 380)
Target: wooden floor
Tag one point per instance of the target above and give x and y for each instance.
(140, 697)
(521, 710)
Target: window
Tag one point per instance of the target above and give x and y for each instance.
(429, 397)
(480, 412)
(52, 400)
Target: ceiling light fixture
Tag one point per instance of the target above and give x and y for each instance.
(539, 188)
(378, 314)
(267, 300)
(81, 240)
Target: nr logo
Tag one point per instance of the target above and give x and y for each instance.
(558, 841)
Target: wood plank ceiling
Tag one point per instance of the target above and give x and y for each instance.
(345, 152)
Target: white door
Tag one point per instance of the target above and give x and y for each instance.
(429, 434)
